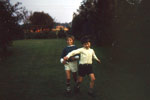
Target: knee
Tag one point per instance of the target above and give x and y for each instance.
(80, 79)
(93, 79)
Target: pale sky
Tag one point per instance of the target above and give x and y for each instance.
(61, 10)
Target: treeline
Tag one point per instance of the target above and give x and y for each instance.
(44, 35)
(16, 22)
(9, 27)
(108, 22)
(94, 20)
(40, 25)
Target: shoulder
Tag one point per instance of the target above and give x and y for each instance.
(74, 46)
(65, 48)
(79, 49)
(92, 50)
(82, 48)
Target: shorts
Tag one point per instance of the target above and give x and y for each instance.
(85, 69)
(72, 66)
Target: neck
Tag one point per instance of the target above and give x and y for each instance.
(86, 48)
(70, 45)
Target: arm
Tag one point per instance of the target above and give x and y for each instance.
(75, 57)
(62, 55)
(63, 61)
(95, 57)
(72, 53)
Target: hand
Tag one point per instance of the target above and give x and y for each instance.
(66, 58)
(99, 61)
(72, 58)
(64, 62)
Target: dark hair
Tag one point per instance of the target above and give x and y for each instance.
(85, 40)
(70, 36)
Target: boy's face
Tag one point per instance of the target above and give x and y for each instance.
(70, 41)
(87, 45)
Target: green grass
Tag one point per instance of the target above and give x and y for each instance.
(33, 72)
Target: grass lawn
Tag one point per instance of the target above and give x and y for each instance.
(33, 72)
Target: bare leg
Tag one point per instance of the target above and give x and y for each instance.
(75, 76)
(77, 87)
(80, 79)
(90, 92)
(68, 77)
(92, 76)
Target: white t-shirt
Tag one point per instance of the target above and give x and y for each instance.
(86, 55)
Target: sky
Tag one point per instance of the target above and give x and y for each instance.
(60, 10)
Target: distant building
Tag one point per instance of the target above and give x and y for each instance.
(35, 29)
(38, 28)
(60, 27)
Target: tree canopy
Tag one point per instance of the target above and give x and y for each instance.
(107, 21)
(41, 19)
(92, 19)
(9, 27)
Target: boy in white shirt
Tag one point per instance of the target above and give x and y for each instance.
(85, 63)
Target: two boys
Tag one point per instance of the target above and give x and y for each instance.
(85, 63)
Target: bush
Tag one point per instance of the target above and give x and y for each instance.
(40, 35)
(62, 34)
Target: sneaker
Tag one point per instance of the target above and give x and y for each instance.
(68, 89)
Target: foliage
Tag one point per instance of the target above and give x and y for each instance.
(9, 28)
(41, 19)
(107, 21)
(61, 34)
(40, 35)
(93, 19)
(45, 35)
(25, 15)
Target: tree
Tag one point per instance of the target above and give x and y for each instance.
(82, 22)
(41, 20)
(26, 15)
(9, 27)
(94, 19)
